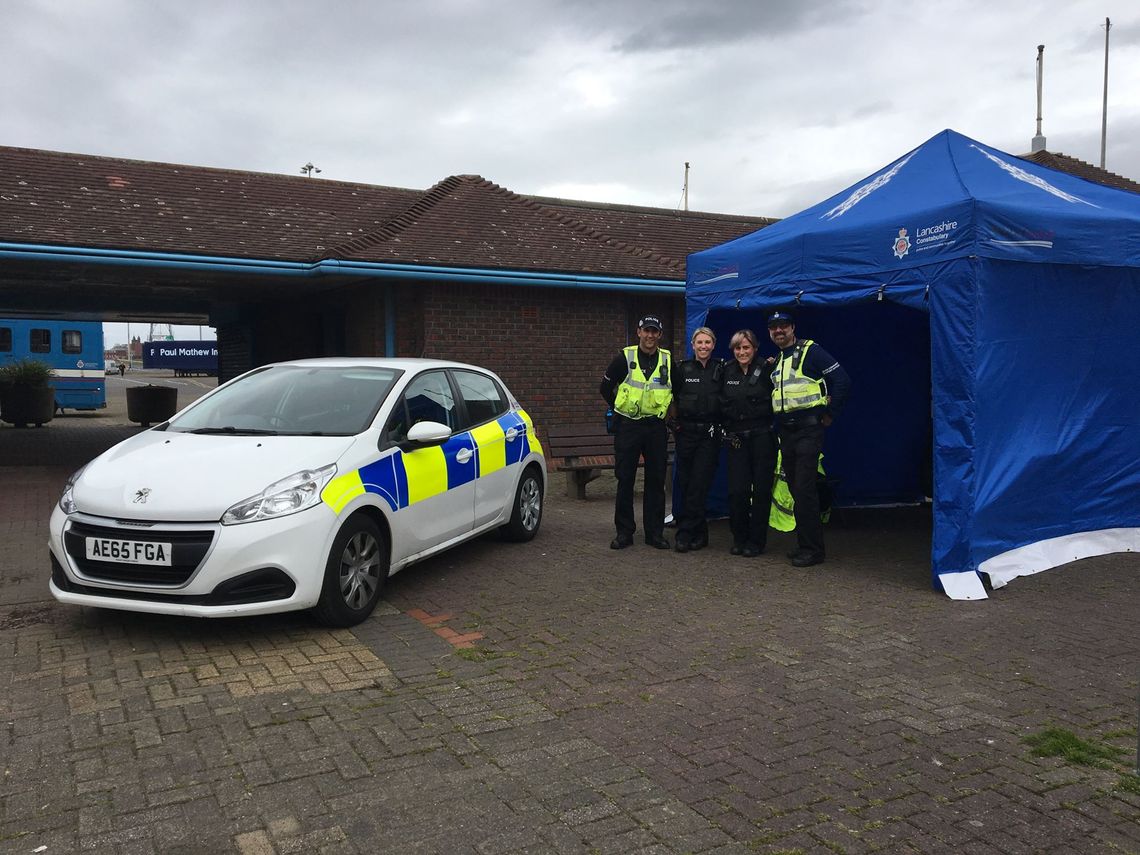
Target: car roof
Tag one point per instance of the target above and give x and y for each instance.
(400, 363)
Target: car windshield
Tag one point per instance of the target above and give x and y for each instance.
(296, 400)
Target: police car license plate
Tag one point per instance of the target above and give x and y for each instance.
(128, 551)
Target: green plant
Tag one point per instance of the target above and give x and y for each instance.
(26, 372)
(1058, 742)
(1129, 784)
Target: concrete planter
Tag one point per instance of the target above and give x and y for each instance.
(22, 405)
(149, 404)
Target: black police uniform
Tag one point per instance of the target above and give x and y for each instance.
(696, 394)
(801, 441)
(635, 439)
(746, 401)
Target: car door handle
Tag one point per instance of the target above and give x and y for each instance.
(512, 434)
(463, 455)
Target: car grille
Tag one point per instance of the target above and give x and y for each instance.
(188, 548)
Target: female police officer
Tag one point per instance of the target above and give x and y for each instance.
(696, 397)
(746, 401)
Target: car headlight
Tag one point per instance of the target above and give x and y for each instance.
(67, 500)
(288, 496)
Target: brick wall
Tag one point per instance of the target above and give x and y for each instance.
(288, 331)
(410, 319)
(550, 345)
(364, 322)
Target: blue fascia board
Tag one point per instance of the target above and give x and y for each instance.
(333, 267)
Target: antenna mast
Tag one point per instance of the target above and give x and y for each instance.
(1104, 112)
(1038, 143)
(685, 192)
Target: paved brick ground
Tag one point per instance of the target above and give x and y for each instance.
(558, 697)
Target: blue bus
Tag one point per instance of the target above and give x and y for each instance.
(74, 350)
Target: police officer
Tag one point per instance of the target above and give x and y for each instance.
(638, 385)
(747, 412)
(696, 396)
(809, 388)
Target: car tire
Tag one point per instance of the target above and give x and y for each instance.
(355, 572)
(526, 512)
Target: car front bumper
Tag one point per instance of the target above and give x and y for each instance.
(261, 567)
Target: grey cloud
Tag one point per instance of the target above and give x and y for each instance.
(650, 25)
(875, 108)
(401, 93)
(1120, 35)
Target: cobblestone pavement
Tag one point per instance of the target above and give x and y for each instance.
(559, 697)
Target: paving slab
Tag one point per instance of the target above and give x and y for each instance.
(595, 702)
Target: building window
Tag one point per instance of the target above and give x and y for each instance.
(72, 341)
(5, 339)
(39, 341)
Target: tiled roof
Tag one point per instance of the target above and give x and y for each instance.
(470, 221)
(82, 200)
(671, 233)
(1081, 169)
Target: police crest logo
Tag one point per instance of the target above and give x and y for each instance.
(902, 244)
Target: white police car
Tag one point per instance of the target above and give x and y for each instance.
(299, 485)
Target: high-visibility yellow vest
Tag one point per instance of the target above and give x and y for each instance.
(641, 397)
(791, 390)
(782, 515)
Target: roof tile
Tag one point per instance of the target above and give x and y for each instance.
(1082, 169)
(465, 220)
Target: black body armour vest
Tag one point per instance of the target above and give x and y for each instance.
(697, 391)
(748, 398)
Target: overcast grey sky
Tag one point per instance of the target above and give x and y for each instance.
(777, 104)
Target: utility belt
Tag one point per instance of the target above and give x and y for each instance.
(736, 439)
(637, 420)
(694, 429)
(808, 418)
(698, 427)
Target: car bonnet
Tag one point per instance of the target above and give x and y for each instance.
(163, 475)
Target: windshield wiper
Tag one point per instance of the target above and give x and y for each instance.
(235, 431)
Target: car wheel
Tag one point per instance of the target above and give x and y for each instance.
(526, 514)
(355, 573)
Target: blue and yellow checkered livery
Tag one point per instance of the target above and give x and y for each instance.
(402, 478)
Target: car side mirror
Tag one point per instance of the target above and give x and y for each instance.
(426, 433)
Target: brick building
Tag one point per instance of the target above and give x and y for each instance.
(543, 291)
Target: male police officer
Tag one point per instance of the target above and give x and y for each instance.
(638, 385)
(809, 388)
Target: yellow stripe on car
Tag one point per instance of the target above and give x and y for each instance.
(426, 469)
(342, 490)
(532, 437)
(490, 440)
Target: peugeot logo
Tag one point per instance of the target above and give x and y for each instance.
(140, 496)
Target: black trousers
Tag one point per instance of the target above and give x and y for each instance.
(751, 471)
(697, 458)
(634, 439)
(801, 447)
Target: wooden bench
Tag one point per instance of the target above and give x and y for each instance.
(583, 451)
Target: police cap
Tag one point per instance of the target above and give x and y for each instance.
(649, 322)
